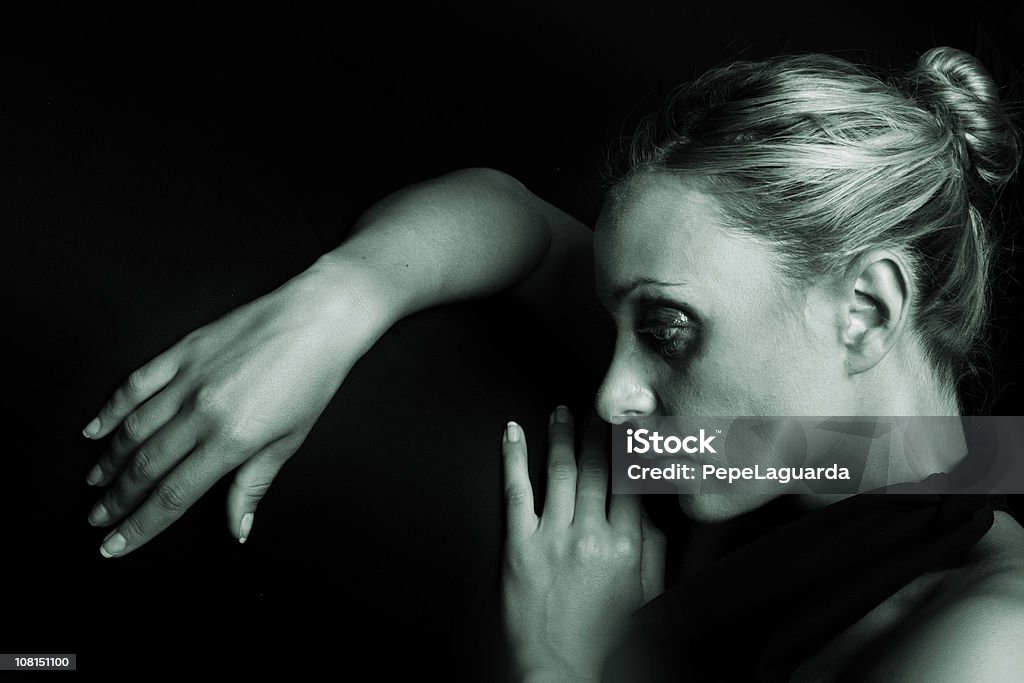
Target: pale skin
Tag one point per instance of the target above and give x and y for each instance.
(243, 391)
(749, 342)
(729, 336)
(841, 346)
(575, 573)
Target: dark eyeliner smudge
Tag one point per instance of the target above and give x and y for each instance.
(671, 332)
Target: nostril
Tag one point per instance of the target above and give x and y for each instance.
(630, 424)
(632, 418)
(625, 418)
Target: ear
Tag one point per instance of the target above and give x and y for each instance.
(876, 302)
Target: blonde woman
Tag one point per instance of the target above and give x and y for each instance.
(790, 237)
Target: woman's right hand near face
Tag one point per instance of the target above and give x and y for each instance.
(240, 393)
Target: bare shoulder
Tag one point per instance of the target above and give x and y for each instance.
(970, 627)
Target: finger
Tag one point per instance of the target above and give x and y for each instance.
(148, 465)
(171, 498)
(140, 385)
(521, 515)
(135, 430)
(624, 511)
(251, 483)
(652, 560)
(561, 494)
(592, 478)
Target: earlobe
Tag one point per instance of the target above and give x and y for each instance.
(877, 300)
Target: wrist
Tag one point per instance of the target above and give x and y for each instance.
(350, 298)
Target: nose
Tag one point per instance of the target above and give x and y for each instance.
(625, 391)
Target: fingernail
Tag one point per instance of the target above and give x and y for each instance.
(95, 476)
(113, 545)
(99, 515)
(562, 415)
(91, 429)
(245, 527)
(512, 432)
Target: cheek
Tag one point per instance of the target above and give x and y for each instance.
(761, 367)
(720, 384)
(791, 377)
(797, 377)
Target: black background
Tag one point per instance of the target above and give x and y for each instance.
(167, 163)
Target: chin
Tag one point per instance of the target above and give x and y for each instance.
(719, 507)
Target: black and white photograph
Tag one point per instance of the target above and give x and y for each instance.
(532, 342)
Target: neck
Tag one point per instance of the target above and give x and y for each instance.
(925, 437)
(905, 384)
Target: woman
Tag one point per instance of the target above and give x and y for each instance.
(791, 237)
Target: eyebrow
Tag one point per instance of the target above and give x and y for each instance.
(622, 291)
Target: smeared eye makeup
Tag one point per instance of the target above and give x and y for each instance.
(668, 328)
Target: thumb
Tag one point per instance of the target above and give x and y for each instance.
(652, 560)
(251, 483)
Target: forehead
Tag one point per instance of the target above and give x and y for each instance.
(666, 228)
(654, 206)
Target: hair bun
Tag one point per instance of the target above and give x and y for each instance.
(955, 85)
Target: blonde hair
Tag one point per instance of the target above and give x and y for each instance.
(823, 160)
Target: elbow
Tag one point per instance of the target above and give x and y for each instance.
(488, 177)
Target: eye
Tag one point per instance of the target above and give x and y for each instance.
(670, 332)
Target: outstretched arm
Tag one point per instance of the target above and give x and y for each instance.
(243, 392)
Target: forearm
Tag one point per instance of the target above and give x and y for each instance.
(463, 235)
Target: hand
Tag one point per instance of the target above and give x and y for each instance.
(573, 576)
(242, 392)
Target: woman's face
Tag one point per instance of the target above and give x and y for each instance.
(706, 323)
